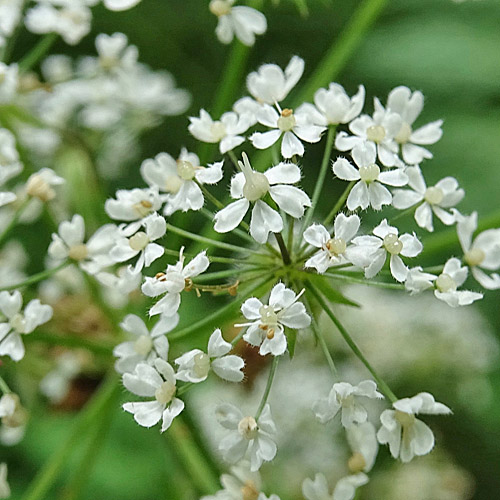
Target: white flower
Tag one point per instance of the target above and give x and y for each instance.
(225, 131)
(122, 283)
(247, 435)
(266, 328)
(9, 164)
(39, 185)
(18, 323)
(409, 105)
(242, 22)
(195, 365)
(115, 53)
(444, 195)
(403, 432)
(379, 131)
(172, 282)
(249, 107)
(363, 442)
(180, 179)
(140, 243)
(118, 5)
(158, 383)
(293, 126)
(343, 397)
(483, 252)
(91, 256)
(10, 15)
(71, 20)
(240, 484)
(334, 106)
(453, 276)
(56, 384)
(4, 485)
(417, 280)
(271, 85)
(133, 204)
(369, 189)
(9, 79)
(250, 186)
(146, 345)
(385, 242)
(344, 490)
(333, 249)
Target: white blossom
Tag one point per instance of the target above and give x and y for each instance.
(334, 106)
(481, 253)
(4, 485)
(156, 382)
(195, 365)
(56, 383)
(249, 107)
(10, 15)
(240, 21)
(19, 323)
(249, 186)
(118, 5)
(379, 131)
(123, 282)
(133, 204)
(363, 442)
(145, 345)
(91, 256)
(409, 105)
(294, 127)
(9, 79)
(247, 436)
(270, 84)
(345, 488)
(129, 244)
(406, 435)
(385, 242)
(343, 397)
(444, 195)
(172, 282)
(10, 165)
(40, 184)
(226, 131)
(180, 179)
(333, 249)
(369, 190)
(266, 328)
(115, 53)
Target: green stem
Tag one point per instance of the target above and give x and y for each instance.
(14, 220)
(404, 213)
(210, 241)
(90, 415)
(4, 386)
(211, 319)
(70, 341)
(284, 251)
(37, 277)
(203, 278)
(210, 196)
(37, 53)
(267, 390)
(222, 260)
(321, 176)
(350, 342)
(340, 203)
(238, 337)
(291, 227)
(360, 281)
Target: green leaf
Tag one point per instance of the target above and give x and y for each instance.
(332, 294)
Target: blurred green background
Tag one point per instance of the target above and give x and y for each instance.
(449, 51)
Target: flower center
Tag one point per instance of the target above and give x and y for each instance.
(356, 463)
(17, 322)
(433, 195)
(143, 207)
(405, 419)
(201, 365)
(172, 184)
(474, 257)
(256, 184)
(218, 130)
(445, 283)
(248, 428)
(286, 121)
(375, 133)
(39, 188)
(165, 393)
(185, 170)
(403, 136)
(336, 246)
(220, 7)
(143, 345)
(249, 491)
(268, 317)
(370, 173)
(78, 252)
(393, 244)
(139, 241)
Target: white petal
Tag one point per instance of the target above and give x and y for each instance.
(229, 217)
(266, 139)
(344, 170)
(264, 220)
(290, 199)
(291, 146)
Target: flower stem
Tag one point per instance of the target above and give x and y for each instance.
(38, 51)
(4, 386)
(283, 249)
(14, 220)
(321, 176)
(404, 213)
(267, 390)
(340, 203)
(350, 342)
(75, 342)
(228, 273)
(360, 281)
(37, 277)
